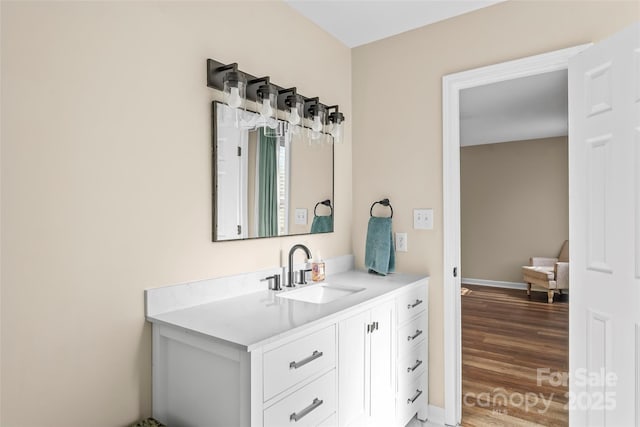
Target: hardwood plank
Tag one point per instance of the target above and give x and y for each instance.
(506, 338)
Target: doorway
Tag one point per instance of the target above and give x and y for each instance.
(452, 86)
(514, 185)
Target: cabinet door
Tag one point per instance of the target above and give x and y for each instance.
(353, 370)
(383, 370)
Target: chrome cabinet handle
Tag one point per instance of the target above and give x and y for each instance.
(413, 399)
(296, 416)
(372, 327)
(416, 335)
(418, 363)
(417, 303)
(314, 356)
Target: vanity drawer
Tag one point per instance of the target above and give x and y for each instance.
(291, 363)
(412, 398)
(411, 333)
(411, 303)
(312, 405)
(412, 365)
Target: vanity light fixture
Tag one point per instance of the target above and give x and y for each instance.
(234, 86)
(336, 118)
(295, 106)
(266, 100)
(317, 113)
(231, 81)
(238, 87)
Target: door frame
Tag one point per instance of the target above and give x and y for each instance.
(452, 84)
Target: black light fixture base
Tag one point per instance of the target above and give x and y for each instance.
(216, 71)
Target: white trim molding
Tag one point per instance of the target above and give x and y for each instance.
(436, 415)
(637, 376)
(494, 283)
(452, 84)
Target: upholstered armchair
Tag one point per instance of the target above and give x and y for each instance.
(549, 273)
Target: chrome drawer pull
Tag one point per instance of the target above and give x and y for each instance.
(416, 335)
(413, 399)
(314, 356)
(410, 306)
(298, 416)
(418, 363)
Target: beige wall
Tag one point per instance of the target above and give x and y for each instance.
(514, 203)
(397, 122)
(312, 166)
(106, 184)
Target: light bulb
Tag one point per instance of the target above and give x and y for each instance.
(317, 124)
(336, 132)
(294, 117)
(266, 110)
(272, 123)
(329, 128)
(247, 120)
(234, 100)
(295, 130)
(315, 135)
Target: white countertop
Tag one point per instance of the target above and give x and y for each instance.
(257, 318)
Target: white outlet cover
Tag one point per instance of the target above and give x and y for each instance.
(401, 242)
(301, 216)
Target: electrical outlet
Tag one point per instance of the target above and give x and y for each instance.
(423, 219)
(301, 216)
(401, 242)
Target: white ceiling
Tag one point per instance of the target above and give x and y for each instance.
(357, 22)
(515, 110)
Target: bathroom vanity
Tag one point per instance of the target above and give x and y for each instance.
(352, 353)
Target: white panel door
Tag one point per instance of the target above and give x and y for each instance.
(231, 175)
(604, 192)
(383, 365)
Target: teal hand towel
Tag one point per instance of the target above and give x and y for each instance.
(322, 224)
(380, 254)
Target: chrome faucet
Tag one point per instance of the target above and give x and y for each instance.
(292, 281)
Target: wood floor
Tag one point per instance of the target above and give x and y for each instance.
(506, 338)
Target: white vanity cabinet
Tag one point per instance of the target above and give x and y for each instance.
(412, 354)
(298, 380)
(258, 360)
(366, 374)
(200, 382)
(383, 362)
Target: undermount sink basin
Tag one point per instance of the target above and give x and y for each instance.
(320, 294)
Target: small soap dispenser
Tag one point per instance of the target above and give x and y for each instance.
(317, 268)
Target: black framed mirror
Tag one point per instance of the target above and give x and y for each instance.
(270, 179)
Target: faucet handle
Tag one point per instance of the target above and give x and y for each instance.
(273, 282)
(302, 276)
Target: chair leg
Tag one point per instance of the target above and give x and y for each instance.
(550, 296)
(529, 289)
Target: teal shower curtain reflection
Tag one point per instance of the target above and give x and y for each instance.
(267, 186)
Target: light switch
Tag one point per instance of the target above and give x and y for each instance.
(423, 219)
(301, 216)
(401, 242)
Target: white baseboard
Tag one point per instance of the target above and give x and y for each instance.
(436, 415)
(494, 283)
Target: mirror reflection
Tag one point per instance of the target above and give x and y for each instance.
(269, 178)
